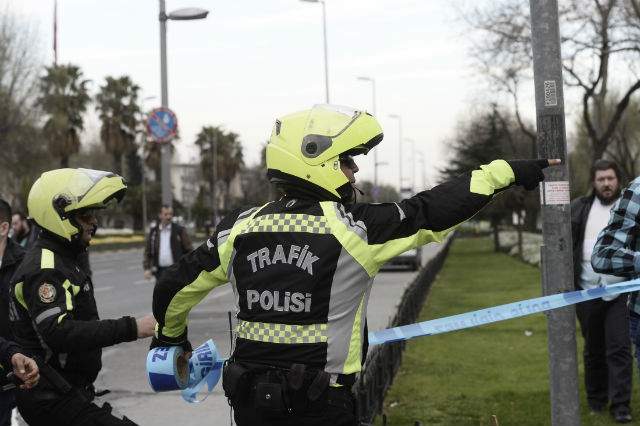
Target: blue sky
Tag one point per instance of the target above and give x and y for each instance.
(253, 60)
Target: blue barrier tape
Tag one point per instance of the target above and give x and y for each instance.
(498, 313)
(205, 368)
(205, 365)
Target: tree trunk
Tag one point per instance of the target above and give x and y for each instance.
(519, 230)
(496, 234)
(117, 164)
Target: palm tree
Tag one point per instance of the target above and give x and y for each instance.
(226, 148)
(63, 98)
(118, 108)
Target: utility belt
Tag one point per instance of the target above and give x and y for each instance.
(279, 390)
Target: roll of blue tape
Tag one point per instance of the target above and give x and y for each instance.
(205, 368)
(162, 369)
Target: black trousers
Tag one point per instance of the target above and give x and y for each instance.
(607, 352)
(7, 403)
(47, 407)
(335, 407)
(159, 272)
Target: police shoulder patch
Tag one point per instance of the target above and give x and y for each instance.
(47, 293)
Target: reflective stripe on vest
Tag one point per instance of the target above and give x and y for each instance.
(282, 222)
(282, 333)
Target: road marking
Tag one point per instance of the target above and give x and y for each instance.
(143, 281)
(101, 289)
(108, 352)
(218, 293)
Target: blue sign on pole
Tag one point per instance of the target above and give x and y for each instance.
(162, 125)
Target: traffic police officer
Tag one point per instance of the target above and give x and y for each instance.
(53, 311)
(302, 267)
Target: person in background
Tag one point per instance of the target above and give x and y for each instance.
(25, 232)
(166, 244)
(11, 255)
(604, 322)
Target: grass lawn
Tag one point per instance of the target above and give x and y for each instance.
(465, 377)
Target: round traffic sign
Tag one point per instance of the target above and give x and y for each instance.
(162, 124)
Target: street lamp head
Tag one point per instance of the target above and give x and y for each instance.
(363, 78)
(188, 14)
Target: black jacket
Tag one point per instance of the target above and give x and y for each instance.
(180, 245)
(53, 312)
(13, 255)
(580, 208)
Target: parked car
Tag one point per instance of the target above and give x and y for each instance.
(410, 259)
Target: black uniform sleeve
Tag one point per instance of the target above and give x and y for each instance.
(50, 299)
(7, 350)
(436, 210)
(393, 228)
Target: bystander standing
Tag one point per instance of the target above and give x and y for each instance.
(604, 322)
(25, 232)
(166, 244)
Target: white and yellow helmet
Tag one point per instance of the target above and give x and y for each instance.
(58, 193)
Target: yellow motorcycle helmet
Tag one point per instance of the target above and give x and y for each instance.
(305, 147)
(57, 194)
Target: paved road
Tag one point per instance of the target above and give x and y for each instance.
(121, 290)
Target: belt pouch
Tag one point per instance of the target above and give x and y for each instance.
(234, 380)
(269, 397)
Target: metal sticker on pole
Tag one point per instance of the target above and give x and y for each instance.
(555, 193)
(550, 93)
(162, 125)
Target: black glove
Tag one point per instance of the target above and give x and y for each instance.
(155, 343)
(528, 173)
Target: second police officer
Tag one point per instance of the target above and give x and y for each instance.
(53, 311)
(302, 267)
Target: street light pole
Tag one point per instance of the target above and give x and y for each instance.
(165, 162)
(326, 54)
(413, 164)
(185, 14)
(422, 168)
(375, 151)
(397, 117)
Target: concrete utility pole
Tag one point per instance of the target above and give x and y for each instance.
(556, 252)
(165, 149)
(326, 49)
(375, 151)
(184, 14)
(397, 117)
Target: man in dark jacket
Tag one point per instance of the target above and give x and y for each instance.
(11, 255)
(25, 231)
(166, 244)
(604, 322)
